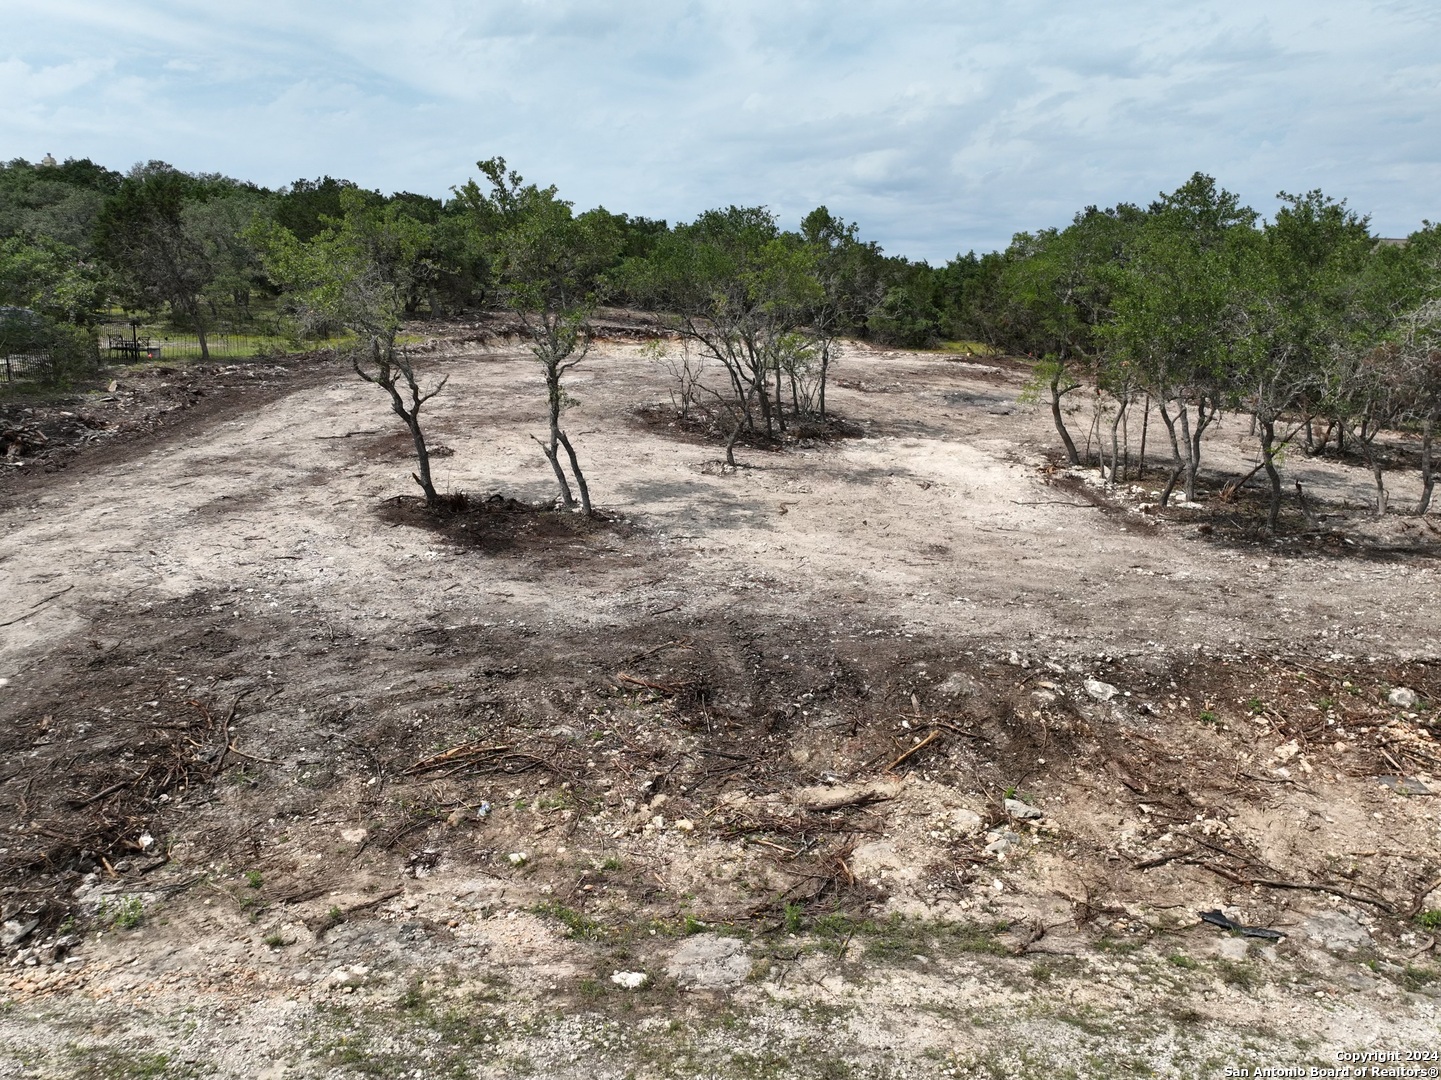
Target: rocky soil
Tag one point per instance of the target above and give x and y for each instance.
(899, 751)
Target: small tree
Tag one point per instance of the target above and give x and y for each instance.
(1300, 284)
(741, 292)
(1180, 317)
(848, 272)
(1057, 287)
(546, 263)
(355, 274)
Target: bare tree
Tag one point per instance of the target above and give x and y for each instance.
(390, 369)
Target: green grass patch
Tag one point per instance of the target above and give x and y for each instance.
(898, 938)
(578, 925)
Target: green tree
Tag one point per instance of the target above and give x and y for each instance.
(165, 252)
(546, 263)
(1303, 287)
(741, 292)
(1180, 317)
(849, 273)
(356, 273)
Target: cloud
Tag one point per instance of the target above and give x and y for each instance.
(938, 126)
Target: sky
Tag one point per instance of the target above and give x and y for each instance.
(938, 127)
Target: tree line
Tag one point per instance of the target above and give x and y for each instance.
(79, 241)
(1188, 307)
(1195, 306)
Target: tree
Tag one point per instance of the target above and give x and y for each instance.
(1056, 290)
(849, 274)
(166, 249)
(49, 277)
(1180, 319)
(1410, 366)
(741, 292)
(546, 264)
(356, 274)
(1302, 285)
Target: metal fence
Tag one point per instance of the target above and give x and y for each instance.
(168, 346)
(23, 365)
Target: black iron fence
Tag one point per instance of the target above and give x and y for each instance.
(169, 346)
(24, 366)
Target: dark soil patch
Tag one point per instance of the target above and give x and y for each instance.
(498, 524)
(1240, 522)
(706, 429)
(97, 426)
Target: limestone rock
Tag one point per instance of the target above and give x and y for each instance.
(710, 962)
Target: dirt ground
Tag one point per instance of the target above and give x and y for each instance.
(899, 751)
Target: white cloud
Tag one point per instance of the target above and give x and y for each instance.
(938, 126)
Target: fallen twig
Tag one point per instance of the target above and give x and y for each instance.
(1162, 860)
(647, 684)
(932, 737)
(464, 752)
(1272, 883)
(37, 607)
(1415, 908)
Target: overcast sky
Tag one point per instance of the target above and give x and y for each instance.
(939, 127)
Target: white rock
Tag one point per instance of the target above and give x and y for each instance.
(966, 822)
(685, 825)
(354, 975)
(1336, 931)
(1231, 948)
(1101, 691)
(15, 931)
(1286, 751)
(1402, 697)
(630, 980)
(518, 858)
(1023, 811)
(958, 684)
(710, 962)
(1001, 842)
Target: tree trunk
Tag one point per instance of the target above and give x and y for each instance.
(1268, 459)
(1145, 423)
(1204, 417)
(764, 396)
(1368, 451)
(1190, 461)
(1071, 455)
(422, 457)
(780, 411)
(1428, 479)
(1180, 464)
(1116, 441)
(825, 369)
(1094, 432)
(552, 456)
(580, 483)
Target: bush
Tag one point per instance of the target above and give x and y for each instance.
(54, 352)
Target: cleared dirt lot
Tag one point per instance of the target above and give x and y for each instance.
(298, 783)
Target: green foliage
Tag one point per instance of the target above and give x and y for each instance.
(128, 914)
(578, 925)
